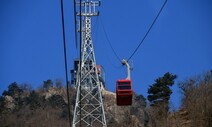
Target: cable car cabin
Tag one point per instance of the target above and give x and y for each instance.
(98, 69)
(123, 92)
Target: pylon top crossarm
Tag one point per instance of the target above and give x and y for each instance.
(89, 8)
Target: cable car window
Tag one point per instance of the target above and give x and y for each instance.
(124, 83)
(124, 87)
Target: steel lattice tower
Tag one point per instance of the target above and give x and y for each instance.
(89, 110)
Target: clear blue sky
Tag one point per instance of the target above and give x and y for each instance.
(31, 48)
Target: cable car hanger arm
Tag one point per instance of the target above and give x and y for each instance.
(124, 62)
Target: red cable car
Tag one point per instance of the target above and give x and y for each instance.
(124, 89)
(98, 67)
(124, 92)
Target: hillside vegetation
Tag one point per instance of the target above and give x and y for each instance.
(22, 106)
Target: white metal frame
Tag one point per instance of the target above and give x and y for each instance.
(89, 109)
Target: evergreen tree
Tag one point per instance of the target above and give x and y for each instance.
(13, 90)
(56, 101)
(1, 104)
(47, 84)
(34, 100)
(159, 95)
(160, 91)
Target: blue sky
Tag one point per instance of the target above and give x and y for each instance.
(31, 48)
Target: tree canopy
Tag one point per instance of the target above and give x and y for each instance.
(160, 91)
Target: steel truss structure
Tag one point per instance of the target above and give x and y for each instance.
(89, 110)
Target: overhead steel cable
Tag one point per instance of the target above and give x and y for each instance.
(75, 24)
(136, 49)
(80, 74)
(65, 58)
(108, 40)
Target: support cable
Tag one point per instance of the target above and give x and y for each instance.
(75, 24)
(65, 58)
(136, 49)
(80, 25)
(108, 40)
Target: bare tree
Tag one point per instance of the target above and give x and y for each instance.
(197, 99)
